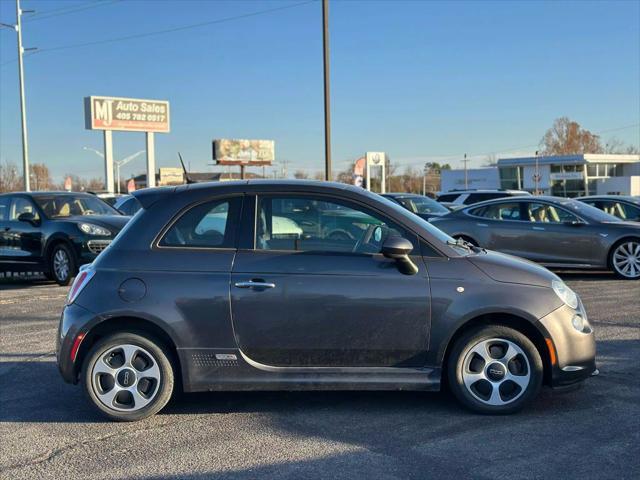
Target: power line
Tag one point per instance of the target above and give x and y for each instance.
(168, 30)
(69, 10)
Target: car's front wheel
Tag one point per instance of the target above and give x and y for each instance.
(495, 370)
(62, 264)
(128, 376)
(625, 259)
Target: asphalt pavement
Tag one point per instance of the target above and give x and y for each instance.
(48, 429)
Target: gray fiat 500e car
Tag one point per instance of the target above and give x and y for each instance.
(245, 286)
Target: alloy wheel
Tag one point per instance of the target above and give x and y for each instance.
(61, 264)
(496, 371)
(626, 259)
(126, 378)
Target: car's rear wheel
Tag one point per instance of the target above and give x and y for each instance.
(495, 370)
(62, 264)
(625, 259)
(128, 376)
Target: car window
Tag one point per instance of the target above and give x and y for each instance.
(22, 205)
(314, 224)
(208, 225)
(68, 205)
(5, 202)
(498, 211)
(423, 205)
(621, 210)
(545, 213)
(448, 197)
(130, 206)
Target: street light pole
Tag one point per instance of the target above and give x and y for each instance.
(23, 107)
(327, 101)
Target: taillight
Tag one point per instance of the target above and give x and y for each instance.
(81, 281)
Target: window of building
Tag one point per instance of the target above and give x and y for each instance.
(511, 178)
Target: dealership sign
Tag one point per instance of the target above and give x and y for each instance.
(126, 114)
(243, 152)
(567, 176)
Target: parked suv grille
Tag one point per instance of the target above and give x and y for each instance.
(97, 246)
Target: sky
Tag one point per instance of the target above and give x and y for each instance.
(420, 80)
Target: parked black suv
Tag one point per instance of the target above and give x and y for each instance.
(54, 232)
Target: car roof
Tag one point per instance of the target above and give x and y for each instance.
(42, 193)
(484, 190)
(521, 198)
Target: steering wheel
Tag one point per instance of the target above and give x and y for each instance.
(364, 238)
(89, 212)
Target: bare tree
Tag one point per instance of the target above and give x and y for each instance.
(615, 145)
(10, 181)
(567, 137)
(300, 175)
(40, 176)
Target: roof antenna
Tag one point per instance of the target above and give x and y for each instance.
(184, 169)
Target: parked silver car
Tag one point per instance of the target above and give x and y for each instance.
(553, 231)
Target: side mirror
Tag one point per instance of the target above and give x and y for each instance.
(398, 249)
(28, 217)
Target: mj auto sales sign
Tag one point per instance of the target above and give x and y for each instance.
(126, 114)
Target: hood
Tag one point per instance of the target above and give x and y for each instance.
(509, 269)
(113, 222)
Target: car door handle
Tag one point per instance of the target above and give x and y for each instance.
(538, 228)
(482, 224)
(254, 284)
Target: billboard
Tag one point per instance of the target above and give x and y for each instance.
(126, 114)
(243, 152)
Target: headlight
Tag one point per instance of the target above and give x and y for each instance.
(91, 229)
(567, 295)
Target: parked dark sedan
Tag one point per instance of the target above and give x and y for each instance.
(553, 231)
(621, 206)
(54, 232)
(422, 206)
(214, 287)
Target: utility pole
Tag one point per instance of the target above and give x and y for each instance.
(327, 102)
(23, 108)
(537, 176)
(466, 176)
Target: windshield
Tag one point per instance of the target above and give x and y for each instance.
(60, 206)
(587, 211)
(423, 205)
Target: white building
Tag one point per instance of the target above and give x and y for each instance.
(572, 175)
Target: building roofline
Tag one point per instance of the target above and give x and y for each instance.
(579, 159)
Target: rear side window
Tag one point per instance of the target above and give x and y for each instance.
(498, 211)
(208, 225)
(4, 208)
(448, 197)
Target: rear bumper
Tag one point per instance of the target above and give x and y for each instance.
(73, 322)
(574, 351)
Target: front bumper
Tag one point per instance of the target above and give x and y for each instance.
(574, 351)
(74, 321)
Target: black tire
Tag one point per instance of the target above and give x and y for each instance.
(59, 276)
(461, 352)
(162, 391)
(614, 249)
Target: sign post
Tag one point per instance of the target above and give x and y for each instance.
(376, 159)
(127, 115)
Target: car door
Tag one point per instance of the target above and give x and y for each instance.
(499, 226)
(22, 240)
(5, 204)
(321, 300)
(557, 236)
